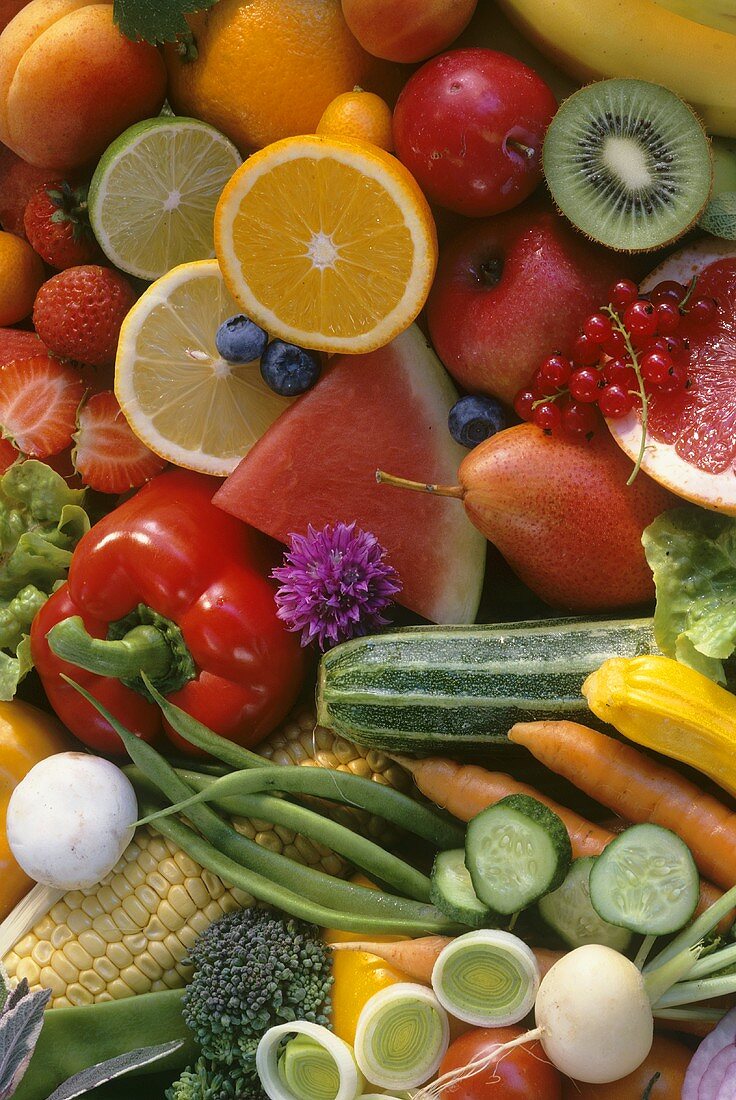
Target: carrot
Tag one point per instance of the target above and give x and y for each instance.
(466, 789)
(639, 789)
(416, 958)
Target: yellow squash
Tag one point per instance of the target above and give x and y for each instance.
(27, 735)
(670, 708)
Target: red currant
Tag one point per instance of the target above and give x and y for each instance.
(615, 345)
(614, 401)
(538, 383)
(579, 419)
(523, 404)
(621, 372)
(668, 291)
(622, 294)
(675, 379)
(640, 319)
(547, 416)
(668, 317)
(556, 370)
(584, 352)
(654, 367)
(703, 310)
(598, 328)
(583, 384)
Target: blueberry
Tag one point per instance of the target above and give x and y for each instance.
(240, 340)
(473, 419)
(289, 370)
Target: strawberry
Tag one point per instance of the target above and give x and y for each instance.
(109, 457)
(18, 181)
(39, 399)
(8, 454)
(57, 226)
(78, 313)
(17, 344)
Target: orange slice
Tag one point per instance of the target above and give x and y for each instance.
(327, 243)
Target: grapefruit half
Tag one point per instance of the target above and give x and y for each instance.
(691, 436)
(317, 464)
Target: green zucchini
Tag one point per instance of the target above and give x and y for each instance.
(459, 689)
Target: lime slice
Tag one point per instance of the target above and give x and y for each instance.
(153, 195)
(179, 396)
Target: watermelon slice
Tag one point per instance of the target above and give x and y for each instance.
(317, 463)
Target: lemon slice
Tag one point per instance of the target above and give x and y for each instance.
(179, 396)
(152, 198)
(326, 242)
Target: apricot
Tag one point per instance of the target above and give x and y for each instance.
(70, 82)
(21, 275)
(407, 30)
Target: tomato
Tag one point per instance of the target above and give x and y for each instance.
(667, 1057)
(522, 1074)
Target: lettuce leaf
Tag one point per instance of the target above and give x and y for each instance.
(41, 521)
(692, 554)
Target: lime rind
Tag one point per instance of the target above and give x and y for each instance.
(153, 196)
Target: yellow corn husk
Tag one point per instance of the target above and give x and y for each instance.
(670, 708)
(129, 934)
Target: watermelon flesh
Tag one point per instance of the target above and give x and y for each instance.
(317, 463)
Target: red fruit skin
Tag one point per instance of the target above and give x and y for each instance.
(458, 122)
(55, 241)
(18, 181)
(563, 517)
(511, 291)
(16, 344)
(8, 454)
(78, 313)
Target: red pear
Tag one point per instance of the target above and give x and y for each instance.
(562, 515)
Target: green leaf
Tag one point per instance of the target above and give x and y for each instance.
(156, 20)
(692, 554)
(14, 669)
(20, 1026)
(16, 615)
(89, 1079)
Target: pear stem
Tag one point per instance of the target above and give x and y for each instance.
(456, 491)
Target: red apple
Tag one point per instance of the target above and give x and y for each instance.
(469, 126)
(512, 290)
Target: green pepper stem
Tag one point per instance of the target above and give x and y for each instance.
(143, 649)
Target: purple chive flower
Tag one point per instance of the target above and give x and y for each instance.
(335, 584)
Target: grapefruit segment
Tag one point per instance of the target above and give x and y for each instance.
(316, 464)
(691, 435)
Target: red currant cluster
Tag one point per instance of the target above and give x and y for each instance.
(624, 352)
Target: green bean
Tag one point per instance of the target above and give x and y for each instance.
(335, 786)
(314, 885)
(271, 893)
(364, 853)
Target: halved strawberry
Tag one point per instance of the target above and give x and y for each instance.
(8, 454)
(39, 398)
(17, 344)
(109, 457)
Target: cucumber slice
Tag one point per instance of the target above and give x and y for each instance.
(645, 880)
(452, 891)
(516, 851)
(569, 911)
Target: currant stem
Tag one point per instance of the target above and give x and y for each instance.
(456, 491)
(642, 392)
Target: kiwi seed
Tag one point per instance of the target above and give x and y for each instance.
(628, 163)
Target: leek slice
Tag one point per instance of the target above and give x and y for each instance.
(488, 978)
(313, 1064)
(402, 1035)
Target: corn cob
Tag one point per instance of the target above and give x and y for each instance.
(130, 934)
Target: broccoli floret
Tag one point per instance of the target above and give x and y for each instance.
(252, 970)
(202, 1081)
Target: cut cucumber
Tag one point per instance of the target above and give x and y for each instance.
(452, 891)
(645, 880)
(516, 851)
(569, 911)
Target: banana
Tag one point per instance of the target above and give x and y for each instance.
(637, 38)
(711, 13)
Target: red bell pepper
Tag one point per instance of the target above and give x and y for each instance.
(169, 585)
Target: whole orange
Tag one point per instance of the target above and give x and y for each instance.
(267, 69)
(361, 115)
(21, 275)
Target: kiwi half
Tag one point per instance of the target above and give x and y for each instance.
(628, 163)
